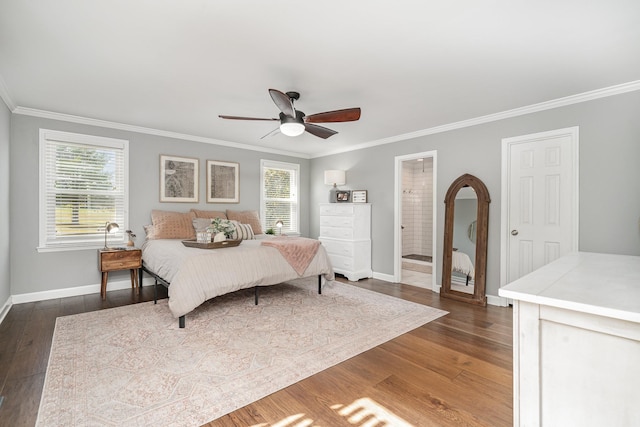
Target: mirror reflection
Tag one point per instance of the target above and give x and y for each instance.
(466, 223)
(464, 241)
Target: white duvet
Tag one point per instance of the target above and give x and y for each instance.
(461, 262)
(197, 275)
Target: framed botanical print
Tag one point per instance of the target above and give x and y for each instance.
(223, 182)
(179, 179)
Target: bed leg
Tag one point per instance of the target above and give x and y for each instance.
(155, 292)
(140, 277)
(181, 322)
(319, 284)
(256, 295)
(467, 284)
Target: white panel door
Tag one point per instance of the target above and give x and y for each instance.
(542, 200)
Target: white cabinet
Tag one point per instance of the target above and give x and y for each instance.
(345, 232)
(576, 342)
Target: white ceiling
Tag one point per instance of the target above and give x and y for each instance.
(410, 65)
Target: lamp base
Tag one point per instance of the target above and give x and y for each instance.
(333, 195)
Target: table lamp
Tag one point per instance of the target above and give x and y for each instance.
(335, 178)
(109, 227)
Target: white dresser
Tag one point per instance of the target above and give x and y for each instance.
(345, 232)
(576, 342)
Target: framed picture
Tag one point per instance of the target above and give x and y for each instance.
(343, 196)
(223, 182)
(359, 196)
(179, 179)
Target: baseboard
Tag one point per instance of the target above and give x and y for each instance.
(5, 308)
(385, 277)
(75, 291)
(498, 301)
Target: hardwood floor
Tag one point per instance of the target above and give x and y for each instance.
(456, 370)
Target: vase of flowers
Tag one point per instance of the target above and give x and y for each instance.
(221, 229)
(131, 237)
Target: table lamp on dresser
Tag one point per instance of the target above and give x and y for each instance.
(335, 178)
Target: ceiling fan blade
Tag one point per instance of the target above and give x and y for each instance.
(282, 101)
(273, 132)
(346, 115)
(244, 118)
(319, 131)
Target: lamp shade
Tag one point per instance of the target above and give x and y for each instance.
(109, 227)
(335, 177)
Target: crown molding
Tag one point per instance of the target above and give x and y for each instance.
(150, 131)
(534, 108)
(521, 111)
(4, 94)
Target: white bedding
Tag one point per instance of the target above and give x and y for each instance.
(461, 263)
(197, 275)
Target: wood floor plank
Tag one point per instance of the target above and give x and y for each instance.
(453, 371)
(21, 401)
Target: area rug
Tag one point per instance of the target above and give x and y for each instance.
(132, 365)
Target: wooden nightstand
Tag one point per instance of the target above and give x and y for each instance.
(114, 260)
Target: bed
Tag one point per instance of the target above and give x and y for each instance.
(461, 263)
(195, 275)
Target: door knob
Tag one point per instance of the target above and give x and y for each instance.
(514, 232)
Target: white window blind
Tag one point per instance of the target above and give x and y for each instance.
(83, 186)
(279, 196)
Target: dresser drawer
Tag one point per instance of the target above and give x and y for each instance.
(338, 248)
(336, 232)
(336, 209)
(120, 260)
(336, 221)
(341, 262)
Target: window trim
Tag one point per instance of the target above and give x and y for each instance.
(75, 138)
(273, 164)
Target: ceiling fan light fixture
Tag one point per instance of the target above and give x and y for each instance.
(292, 128)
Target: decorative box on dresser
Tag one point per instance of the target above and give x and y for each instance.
(345, 232)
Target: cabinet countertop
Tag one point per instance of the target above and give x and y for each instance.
(601, 284)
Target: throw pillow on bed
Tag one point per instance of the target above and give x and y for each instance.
(246, 217)
(243, 231)
(172, 225)
(201, 224)
(209, 214)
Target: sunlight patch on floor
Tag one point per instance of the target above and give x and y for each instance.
(365, 412)
(290, 421)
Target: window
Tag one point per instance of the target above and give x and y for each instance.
(279, 198)
(83, 185)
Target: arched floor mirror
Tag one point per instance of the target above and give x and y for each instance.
(466, 223)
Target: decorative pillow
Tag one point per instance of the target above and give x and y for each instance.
(209, 214)
(148, 231)
(243, 231)
(247, 217)
(172, 225)
(201, 224)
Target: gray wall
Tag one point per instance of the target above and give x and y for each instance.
(609, 185)
(5, 272)
(34, 272)
(609, 176)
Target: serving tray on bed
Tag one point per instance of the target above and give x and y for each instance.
(211, 245)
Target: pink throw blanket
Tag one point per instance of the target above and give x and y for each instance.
(298, 251)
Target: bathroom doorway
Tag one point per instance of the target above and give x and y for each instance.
(415, 217)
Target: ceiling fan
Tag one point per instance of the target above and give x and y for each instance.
(294, 122)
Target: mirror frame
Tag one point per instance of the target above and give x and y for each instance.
(482, 231)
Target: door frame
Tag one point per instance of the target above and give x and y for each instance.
(507, 143)
(397, 217)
